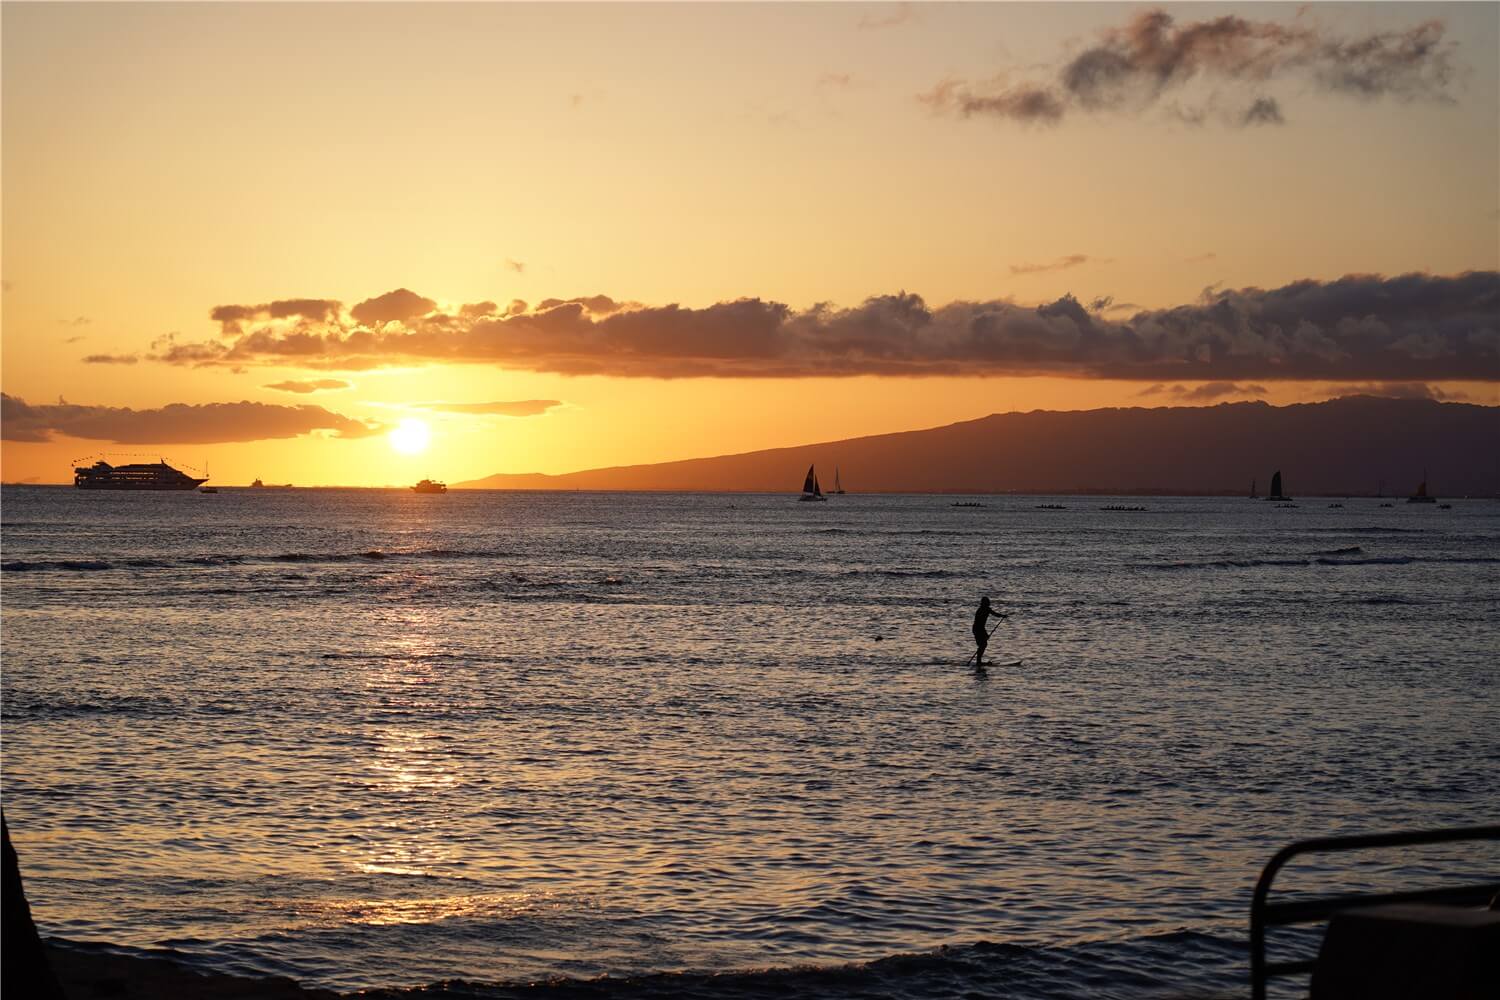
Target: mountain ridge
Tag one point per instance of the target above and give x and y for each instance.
(1338, 447)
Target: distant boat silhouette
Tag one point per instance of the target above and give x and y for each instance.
(838, 488)
(1421, 495)
(1275, 493)
(429, 486)
(1252, 489)
(810, 490)
(274, 486)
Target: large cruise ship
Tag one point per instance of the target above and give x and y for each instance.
(156, 476)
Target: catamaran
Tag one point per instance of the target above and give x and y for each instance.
(1275, 493)
(810, 490)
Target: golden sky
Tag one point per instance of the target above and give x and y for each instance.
(756, 224)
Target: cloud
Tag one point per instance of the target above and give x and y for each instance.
(110, 359)
(518, 266)
(76, 321)
(902, 13)
(175, 423)
(392, 307)
(518, 408)
(837, 81)
(1131, 68)
(1200, 258)
(74, 340)
(1265, 111)
(1398, 390)
(313, 385)
(599, 304)
(474, 310)
(231, 317)
(1061, 264)
(1204, 392)
(1414, 327)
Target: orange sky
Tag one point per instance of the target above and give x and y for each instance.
(161, 161)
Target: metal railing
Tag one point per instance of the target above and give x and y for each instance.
(1302, 911)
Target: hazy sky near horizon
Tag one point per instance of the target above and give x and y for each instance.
(641, 232)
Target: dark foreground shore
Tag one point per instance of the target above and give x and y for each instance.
(87, 974)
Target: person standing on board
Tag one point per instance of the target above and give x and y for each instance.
(981, 634)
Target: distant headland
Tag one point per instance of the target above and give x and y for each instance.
(1357, 445)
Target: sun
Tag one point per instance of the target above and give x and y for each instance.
(410, 437)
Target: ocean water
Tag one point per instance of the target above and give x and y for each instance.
(726, 745)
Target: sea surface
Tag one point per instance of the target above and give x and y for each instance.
(727, 745)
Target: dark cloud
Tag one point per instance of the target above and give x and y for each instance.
(313, 385)
(1061, 264)
(1265, 111)
(175, 423)
(74, 340)
(1039, 105)
(392, 307)
(1203, 393)
(1415, 327)
(518, 266)
(1135, 66)
(1397, 390)
(474, 310)
(518, 408)
(599, 304)
(317, 310)
(110, 359)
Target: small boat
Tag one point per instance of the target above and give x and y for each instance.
(208, 489)
(1421, 495)
(258, 485)
(810, 490)
(1275, 493)
(966, 503)
(1050, 506)
(838, 488)
(430, 486)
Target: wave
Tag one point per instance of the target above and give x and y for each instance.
(1348, 550)
(237, 559)
(903, 573)
(1323, 560)
(1176, 963)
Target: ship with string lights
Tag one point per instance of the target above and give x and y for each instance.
(136, 476)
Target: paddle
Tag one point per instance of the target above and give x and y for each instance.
(987, 639)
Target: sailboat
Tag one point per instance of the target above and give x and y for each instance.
(810, 490)
(1421, 495)
(1275, 493)
(1252, 490)
(838, 488)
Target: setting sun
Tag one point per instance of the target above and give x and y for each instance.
(411, 437)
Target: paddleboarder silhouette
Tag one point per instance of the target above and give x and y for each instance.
(981, 635)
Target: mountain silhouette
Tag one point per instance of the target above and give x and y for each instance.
(1343, 446)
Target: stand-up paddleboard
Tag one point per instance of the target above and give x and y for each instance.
(1003, 663)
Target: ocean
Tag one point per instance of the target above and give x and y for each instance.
(727, 745)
